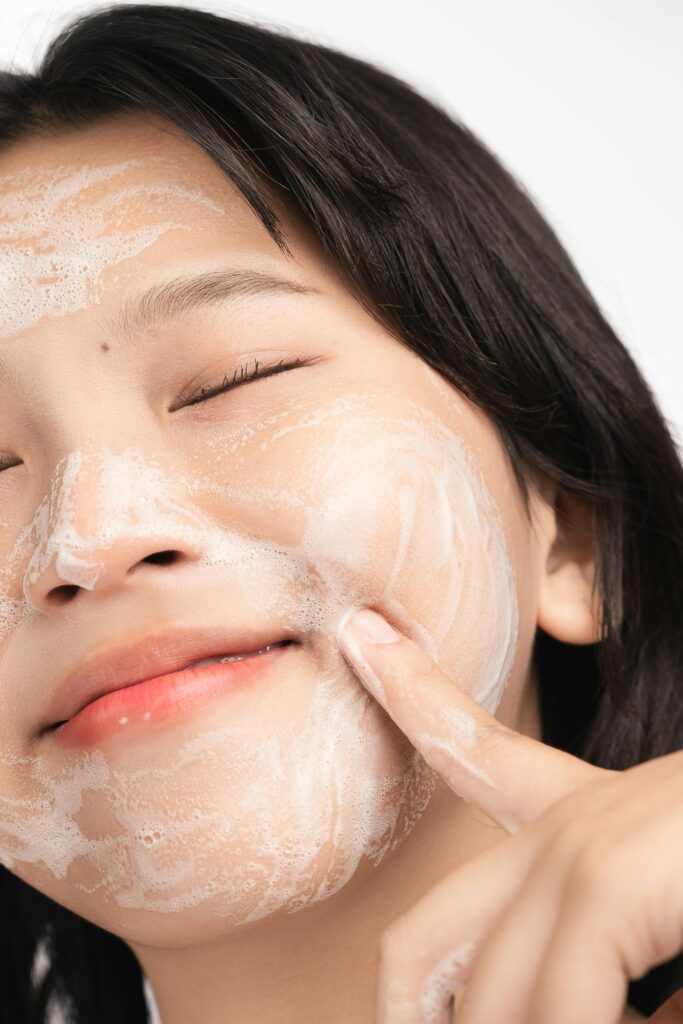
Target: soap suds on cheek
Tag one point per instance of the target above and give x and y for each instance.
(273, 802)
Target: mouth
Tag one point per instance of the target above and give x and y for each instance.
(152, 702)
(143, 678)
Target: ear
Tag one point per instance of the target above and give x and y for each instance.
(568, 609)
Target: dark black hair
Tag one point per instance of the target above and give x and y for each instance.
(445, 249)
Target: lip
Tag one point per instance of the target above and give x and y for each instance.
(159, 654)
(121, 714)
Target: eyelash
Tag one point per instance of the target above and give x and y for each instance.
(265, 371)
(205, 394)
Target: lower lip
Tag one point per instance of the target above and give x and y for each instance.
(156, 700)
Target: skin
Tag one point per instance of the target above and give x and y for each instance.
(72, 386)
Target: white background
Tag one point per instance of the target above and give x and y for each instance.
(582, 100)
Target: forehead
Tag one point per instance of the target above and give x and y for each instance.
(136, 146)
(89, 207)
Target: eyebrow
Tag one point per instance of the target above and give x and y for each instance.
(171, 299)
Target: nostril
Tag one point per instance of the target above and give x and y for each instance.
(60, 595)
(162, 557)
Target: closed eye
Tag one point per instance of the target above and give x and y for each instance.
(241, 376)
(244, 375)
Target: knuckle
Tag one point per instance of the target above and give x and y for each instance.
(569, 835)
(599, 872)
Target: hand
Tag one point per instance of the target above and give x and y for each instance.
(549, 925)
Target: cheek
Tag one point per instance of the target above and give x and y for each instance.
(410, 524)
(390, 510)
(275, 799)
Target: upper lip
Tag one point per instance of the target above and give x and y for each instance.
(157, 654)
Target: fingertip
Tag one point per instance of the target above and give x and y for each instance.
(350, 639)
(368, 625)
(346, 616)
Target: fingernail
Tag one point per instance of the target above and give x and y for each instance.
(365, 625)
(368, 625)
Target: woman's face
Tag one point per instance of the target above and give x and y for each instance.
(357, 477)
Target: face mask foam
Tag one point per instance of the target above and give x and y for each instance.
(264, 813)
(84, 229)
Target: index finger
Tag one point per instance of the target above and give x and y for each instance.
(511, 777)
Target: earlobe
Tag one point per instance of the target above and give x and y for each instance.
(568, 609)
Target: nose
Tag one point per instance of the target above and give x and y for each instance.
(110, 520)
